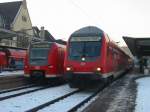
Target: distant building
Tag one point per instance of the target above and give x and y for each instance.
(42, 34)
(46, 35)
(14, 16)
(127, 51)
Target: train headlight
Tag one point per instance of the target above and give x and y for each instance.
(98, 69)
(68, 68)
(50, 66)
(83, 59)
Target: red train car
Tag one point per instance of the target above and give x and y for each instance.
(91, 55)
(3, 61)
(17, 58)
(12, 57)
(45, 59)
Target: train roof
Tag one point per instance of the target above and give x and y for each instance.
(62, 42)
(48, 42)
(87, 31)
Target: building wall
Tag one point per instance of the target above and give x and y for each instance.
(22, 20)
(22, 23)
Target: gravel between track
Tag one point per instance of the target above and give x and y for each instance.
(119, 97)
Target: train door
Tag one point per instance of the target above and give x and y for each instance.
(110, 59)
(115, 60)
(59, 60)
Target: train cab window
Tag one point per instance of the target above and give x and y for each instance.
(38, 56)
(92, 49)
(84, 48)
(38, 53)
(76, 49)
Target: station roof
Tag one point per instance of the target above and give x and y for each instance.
(138, 46)
(4, 33)
(9, 34)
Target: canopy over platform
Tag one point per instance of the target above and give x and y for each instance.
(138, 46)
(8, 34)
(4, 33)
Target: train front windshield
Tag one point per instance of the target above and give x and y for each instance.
(84, 47)
(39, 54)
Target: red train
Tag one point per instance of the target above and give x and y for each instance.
(12, 58)
(3, 62)
(45, 59)
(91, 55)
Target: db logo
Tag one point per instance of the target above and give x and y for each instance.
(82, 63)
(37, 67)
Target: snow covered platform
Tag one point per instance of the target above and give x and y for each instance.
(128, 94)
(11, 73)
(12, 79)
(143, 94)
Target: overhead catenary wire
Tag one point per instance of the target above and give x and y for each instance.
(90, 18)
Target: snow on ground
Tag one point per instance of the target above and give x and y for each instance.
(66, 104)
(87, 104)
(10, 73)
(117, 97)
(122, 94)
(143, 95)
(31, 100)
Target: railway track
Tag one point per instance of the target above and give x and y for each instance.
(50, 99)
(76, 107)
(33, 99)
(12, 82)
(70, 102)
(69, 99)
(17, 88)
(15, 93)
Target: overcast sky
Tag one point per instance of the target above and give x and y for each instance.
(116, 17)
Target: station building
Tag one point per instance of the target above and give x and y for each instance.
(14, 18)
(140, 49)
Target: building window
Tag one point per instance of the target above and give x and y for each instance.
(24, 18)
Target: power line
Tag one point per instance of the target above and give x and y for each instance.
(83, 11)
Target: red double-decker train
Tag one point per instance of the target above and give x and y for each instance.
(12, 58)
(92, 55)
(45, 60)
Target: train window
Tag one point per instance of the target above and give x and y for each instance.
(76, 49)
(79, 39)
(19, 64)
(38, 56)
(39, 53)
(90, 50)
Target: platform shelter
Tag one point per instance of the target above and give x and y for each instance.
(140, 49)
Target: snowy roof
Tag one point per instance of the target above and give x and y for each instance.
(9, 10)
